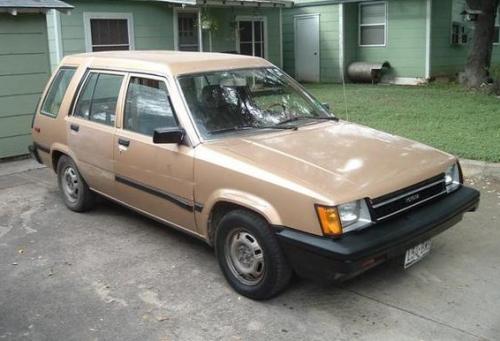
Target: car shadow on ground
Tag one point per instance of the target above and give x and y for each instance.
(199, 248)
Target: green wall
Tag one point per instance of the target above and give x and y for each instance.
(446, 59)
(328, 40)
(153, 28)
(224, 38)
(450, 59)
(24, 70)
(406, 30)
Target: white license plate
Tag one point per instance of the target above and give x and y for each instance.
(416, 253)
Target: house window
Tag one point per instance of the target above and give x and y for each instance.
(108, 32)
(188, 32)
(458, 34)
(372, 24)
(251, 37)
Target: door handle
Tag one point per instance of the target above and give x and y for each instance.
(123, 142)
(74, 127)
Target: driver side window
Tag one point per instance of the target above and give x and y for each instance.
(148, 106)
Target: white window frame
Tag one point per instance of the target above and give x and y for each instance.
(87, 16)
(251, 18)
(178, 10)
(360, 25)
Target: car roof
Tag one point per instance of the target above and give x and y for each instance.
(169, 62)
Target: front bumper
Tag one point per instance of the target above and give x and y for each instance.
(329, 259)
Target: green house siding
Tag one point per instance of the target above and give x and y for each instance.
(406, 33)
(153, 27)
(24, 70)
(224, 38)
(446, 59)
(328, 40)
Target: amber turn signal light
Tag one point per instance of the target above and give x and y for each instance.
(329, 220)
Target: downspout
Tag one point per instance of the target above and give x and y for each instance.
(428, 32)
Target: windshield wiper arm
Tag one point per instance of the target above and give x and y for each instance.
(225, 130)
(297, 118)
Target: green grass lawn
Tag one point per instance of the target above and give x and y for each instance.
(447, 117)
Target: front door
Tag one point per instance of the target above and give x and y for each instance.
(92, 128)
(154, 178)
(307, 48)
(188, 33)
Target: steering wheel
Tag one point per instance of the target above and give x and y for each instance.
(276, 104)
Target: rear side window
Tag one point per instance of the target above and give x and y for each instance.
(97, 101)
(56, 92)
(148, 106)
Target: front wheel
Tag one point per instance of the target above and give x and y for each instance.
(250, 256)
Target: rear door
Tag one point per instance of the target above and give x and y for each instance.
(154, 178)
(91, 128)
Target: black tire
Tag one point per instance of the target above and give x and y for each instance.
(276, 271)
(82, 198)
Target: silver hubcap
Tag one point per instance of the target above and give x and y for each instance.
(70, 184)
(245, 257)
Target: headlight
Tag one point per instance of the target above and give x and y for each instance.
(344, 218)
(452, 178)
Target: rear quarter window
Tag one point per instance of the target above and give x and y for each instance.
(57, 90)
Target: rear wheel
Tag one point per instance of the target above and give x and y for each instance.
(250, 256)
(75, 192)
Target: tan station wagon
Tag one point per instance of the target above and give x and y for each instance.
(231, 150)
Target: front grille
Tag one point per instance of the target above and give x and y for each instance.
(397, 202)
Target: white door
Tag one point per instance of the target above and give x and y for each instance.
(307, 48)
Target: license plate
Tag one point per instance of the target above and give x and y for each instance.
(416, 253)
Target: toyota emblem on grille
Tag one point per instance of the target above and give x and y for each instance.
(412, 198)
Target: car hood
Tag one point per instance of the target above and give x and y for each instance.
(339, 160)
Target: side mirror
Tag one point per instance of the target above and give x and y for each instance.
(326, 106)
(169, 135)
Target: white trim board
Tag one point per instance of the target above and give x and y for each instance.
(341, 43)
(87, 16)
(428, 33)
(403, 80)
(56, 21)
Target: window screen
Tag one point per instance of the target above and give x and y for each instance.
(372, 22)
(109, 34)
(97, 101)
(148, 106)
(56, 92)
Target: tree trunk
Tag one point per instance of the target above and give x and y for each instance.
(479, 58)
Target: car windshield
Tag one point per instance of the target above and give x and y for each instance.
(233, 101)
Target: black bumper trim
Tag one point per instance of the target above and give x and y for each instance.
(34, 148)
(326, 258)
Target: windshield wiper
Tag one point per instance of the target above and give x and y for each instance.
(298, 118)
(225, 130)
